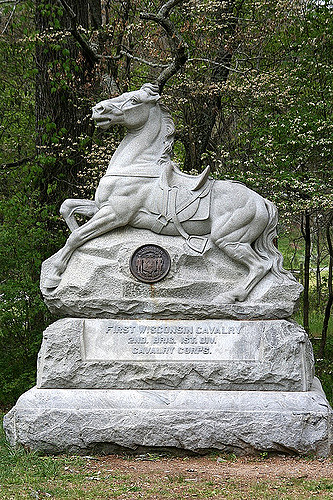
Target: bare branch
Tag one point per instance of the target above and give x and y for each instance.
(130, 56)
(10, 18)
(18, 162)
(139, 59)
(177, 45)
(89, 53)
(168, 6)
(112, 58)
(87, 50)
(215, 63)
(68, 9)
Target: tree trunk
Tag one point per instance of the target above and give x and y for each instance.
(63, 84)
(201, 115)
(330, 291)
(318, 262)
(306, 232)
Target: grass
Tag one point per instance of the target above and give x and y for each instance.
(25, 475)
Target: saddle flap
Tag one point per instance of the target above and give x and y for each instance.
(195, 209)
(188, 205)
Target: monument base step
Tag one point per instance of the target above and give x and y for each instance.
(106, 421)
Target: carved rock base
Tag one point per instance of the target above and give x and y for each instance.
(98, 283)
(244, 422)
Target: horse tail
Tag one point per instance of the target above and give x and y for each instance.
(264, 244)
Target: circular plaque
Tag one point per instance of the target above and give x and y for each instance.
(150, 263)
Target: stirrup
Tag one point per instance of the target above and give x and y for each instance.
(197, 243)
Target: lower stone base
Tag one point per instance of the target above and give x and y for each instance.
(244, 422)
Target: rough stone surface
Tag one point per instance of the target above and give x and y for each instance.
(81, 421)
(214, 355)
(98, 283)
(145, 189)
(104, 384)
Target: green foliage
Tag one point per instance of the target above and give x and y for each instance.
(24, 244)
(253, 102)
(281, 136)
(16, 102)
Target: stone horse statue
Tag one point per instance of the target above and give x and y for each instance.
(143, 188)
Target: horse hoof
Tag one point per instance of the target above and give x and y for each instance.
(51, 283)
(231, 297)
(224, 299)
(240, 296)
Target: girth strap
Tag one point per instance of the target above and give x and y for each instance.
(197, 243)
(170, 211)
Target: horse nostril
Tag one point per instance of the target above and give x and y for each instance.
(99, 108)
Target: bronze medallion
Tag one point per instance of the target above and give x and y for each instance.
(150, 263)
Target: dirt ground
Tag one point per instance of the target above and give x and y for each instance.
(201, 468)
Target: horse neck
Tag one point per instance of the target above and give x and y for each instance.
(141, 146)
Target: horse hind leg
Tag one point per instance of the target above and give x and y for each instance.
(74, 206)
(243, 253)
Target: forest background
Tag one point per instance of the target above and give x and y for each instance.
(249, 85)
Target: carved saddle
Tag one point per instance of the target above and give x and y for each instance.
(182, 198)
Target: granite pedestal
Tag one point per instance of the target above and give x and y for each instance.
(155, 369)
(111, 420)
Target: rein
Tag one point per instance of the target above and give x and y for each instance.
(150, 176)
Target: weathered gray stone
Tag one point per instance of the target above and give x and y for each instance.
(144, 188)
(97, 283)
(166, 365)
(87, 421)
(178, 354)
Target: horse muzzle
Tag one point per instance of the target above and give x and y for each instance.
(102, 122)
(104, 117)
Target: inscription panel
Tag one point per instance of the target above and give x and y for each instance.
(171, 340)
(205, 355)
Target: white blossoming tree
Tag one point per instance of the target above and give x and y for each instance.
(248, 83)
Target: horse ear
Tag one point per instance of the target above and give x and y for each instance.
(152, 90)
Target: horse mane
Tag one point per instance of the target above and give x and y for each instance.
(169, 135)
(152, 90)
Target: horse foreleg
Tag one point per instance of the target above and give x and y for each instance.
(72, 206)
(103, 221)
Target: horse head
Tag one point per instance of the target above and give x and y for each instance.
(130, 109)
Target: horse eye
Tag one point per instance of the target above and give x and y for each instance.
(134, 100)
